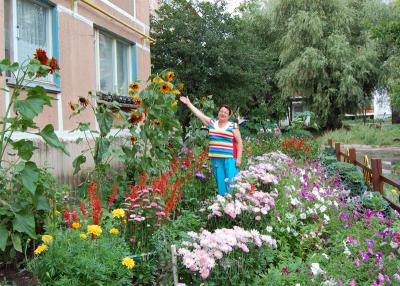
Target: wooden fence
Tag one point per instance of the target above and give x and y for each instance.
(372, 171)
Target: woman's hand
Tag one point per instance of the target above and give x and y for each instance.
(184, 100)
(238, 162)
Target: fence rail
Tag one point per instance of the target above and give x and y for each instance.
(372, 171)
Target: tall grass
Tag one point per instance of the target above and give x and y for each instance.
(370, 134)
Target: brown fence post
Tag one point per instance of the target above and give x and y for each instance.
(330, 143)
(377, 184)
(353, 156)
(337, 148)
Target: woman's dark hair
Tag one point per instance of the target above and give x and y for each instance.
(227, 107)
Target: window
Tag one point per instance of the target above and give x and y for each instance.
(29, 25)
(114, 64)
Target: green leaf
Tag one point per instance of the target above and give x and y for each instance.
(42, 203)
(24, 223)
(4, 65)
(25, 148)
(3, 237)
(29, 176)
(78, 162)
(16, 240)
(47, 133)
(33, 104)
(105, 121)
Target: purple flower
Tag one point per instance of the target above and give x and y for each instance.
(285, 270)
(350, 239)
(379, 255)
(200, 176)
(357, 262)
(369, 242)
(381, 277)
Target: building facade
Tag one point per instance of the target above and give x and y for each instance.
(100, 45)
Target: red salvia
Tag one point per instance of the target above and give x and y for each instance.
(82, 207)
(112, 198)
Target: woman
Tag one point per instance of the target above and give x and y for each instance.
(221, 133)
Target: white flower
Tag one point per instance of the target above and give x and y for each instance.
(269, 228)
(322, 209)
(394, 244)
(303, 216)
(315, 269)
(326, 218)
(288, 230)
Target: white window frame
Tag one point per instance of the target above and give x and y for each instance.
(14, 39)
(114, 52)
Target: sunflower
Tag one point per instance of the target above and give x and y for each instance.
(158, 80)
(83, 101)
(176, 92)
(169, 76)
(134, 86)
(73, 106)
(138, 101)
(135, 118)
(133, 140)
(41, 56)
(53, 65)
(157, 122)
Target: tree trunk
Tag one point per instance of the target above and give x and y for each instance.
(395, 115)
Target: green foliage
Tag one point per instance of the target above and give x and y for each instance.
(26, 191)
(351, 177)
(217, 54)
(370, 134)
(71, 260)
(329, 60)
(374, 201)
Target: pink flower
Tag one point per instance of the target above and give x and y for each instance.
(353, 283)
(204, 273)
(258, 218)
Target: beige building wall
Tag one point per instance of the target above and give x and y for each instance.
(77, 26)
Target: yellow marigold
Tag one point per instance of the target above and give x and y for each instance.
(394, 192)
(94, 230)
(76, 225)
(128, 262)
(83, 236)
(175, 103)
(176, 92)
(118, 213)
(40, 249)
(47, 238)
(114, 231)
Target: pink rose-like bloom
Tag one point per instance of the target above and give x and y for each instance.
(258, 218)
(204, 273)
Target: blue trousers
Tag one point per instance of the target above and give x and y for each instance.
(224, 169)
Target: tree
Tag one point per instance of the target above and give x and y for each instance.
(214, 53)
(325, 55)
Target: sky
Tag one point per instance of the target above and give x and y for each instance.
(232, 4)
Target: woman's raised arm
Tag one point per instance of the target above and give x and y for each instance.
(200, 115)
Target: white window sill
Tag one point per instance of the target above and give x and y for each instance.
(48, 86)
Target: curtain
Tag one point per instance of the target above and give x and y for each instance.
(106, 63)
(33, 28)
(122, 68)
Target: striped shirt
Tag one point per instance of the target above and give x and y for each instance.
(221, 140)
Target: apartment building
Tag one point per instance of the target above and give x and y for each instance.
(101, 46)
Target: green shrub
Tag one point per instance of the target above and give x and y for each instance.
(352, 178)
(374, 201)
(300, 133)
(71, 260)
